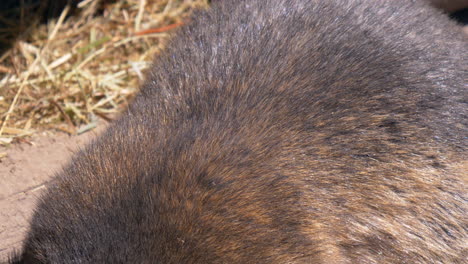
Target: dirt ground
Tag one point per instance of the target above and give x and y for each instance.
(23, 175)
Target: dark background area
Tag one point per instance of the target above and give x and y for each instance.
(461, 16)
(19, 17)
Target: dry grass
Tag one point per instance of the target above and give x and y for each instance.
(71, 70)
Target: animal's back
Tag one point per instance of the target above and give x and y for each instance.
(279, 132)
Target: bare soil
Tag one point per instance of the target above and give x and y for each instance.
(24, 172)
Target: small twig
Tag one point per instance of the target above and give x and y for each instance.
(141, 9)
(84, 3)
(90, 58)
(104, 116)
(159, 29)
(5, 55)
(67, 118)
(5, 69)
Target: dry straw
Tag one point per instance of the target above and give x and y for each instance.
(83, 65)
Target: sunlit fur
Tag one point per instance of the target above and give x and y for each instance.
(282, 131)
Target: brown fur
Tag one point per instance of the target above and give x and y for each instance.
(283, 131)
(450, 5)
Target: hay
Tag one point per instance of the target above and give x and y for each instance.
(67, 72)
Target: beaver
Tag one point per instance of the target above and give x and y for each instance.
(282, 131)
